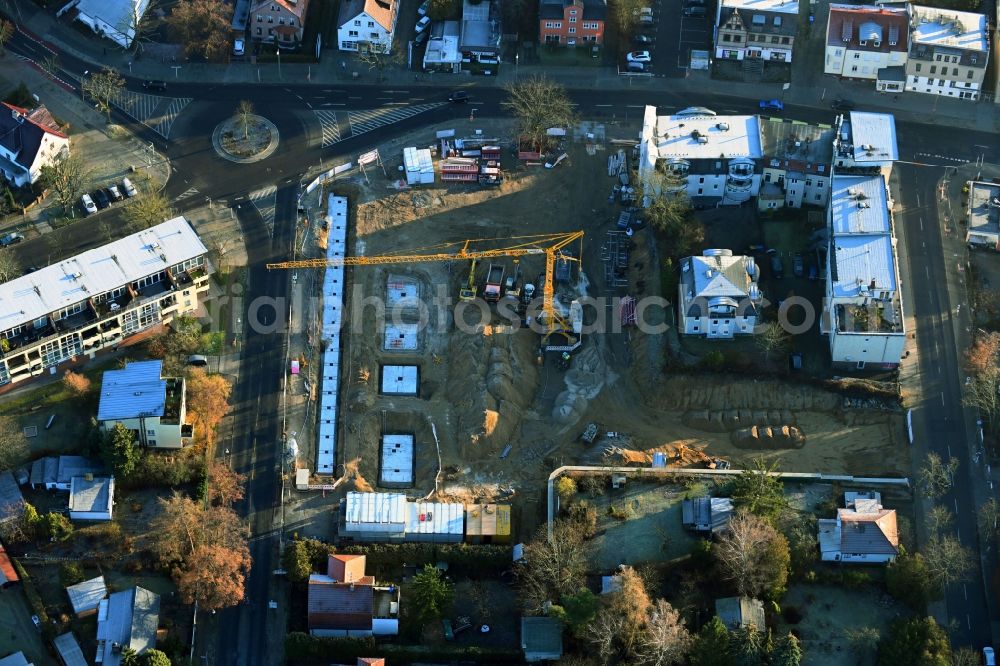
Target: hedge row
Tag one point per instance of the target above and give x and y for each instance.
(487, 557)
(305, 649)
(34, 599)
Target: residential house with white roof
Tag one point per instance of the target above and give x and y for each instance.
(126, 619)
(756, 29)
(85, 597)
(281, 22)
(718, 296)
(949, 51)
(153, 407)
(480, 44)
(100, 298)
(798, 164)
(865, 141)
(29, 140)
(868, 42)
(367, 24)
(983, 229)
(862, 533)
(862, 309)
(443, 53)
(114, 19)
(717, 157)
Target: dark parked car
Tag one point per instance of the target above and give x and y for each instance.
(100, 198)
(695, 11)
(459, 97)
(777, 268)
(772, 105)
(798, 265)
(642, 40)
(813, 271)
(154, 85)
(842, 105)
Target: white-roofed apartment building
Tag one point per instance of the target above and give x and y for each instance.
(100, 298)
(113, 19)
(863, 307)
(717, 157)
(949, 51)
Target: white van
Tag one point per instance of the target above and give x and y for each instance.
(88, 204)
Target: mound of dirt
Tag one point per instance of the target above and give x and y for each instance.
(584, 382)
(684, 393)
(486, 379)
(767, 437)
(679, 454)
(732, 419)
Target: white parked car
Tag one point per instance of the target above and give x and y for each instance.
(128, 188)
(988, 657)
(88, 204)
(638, 56)
(422, 10)
(423, 23)
(239, 47)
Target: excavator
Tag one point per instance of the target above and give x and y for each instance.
(559, 334)
(468, 292)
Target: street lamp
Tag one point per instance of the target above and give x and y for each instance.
(279, 63)
(517, 58)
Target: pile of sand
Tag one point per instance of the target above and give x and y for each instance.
(778, 437)
(732, 419)
(490, 383)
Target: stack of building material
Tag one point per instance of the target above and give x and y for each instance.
(461, 169)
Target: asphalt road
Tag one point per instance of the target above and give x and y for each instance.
(198, 173)
(939, 419)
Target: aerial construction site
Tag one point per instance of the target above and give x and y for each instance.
(489, 336)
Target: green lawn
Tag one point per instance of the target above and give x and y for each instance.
(567, 57)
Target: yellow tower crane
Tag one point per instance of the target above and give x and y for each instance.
(465, 250)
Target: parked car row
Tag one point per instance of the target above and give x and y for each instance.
(103, 197)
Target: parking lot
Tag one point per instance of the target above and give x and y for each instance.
(674, 37)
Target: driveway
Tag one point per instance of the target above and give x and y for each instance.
(677, 35)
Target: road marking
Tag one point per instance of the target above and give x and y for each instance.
(928, 271)
(921, 224)
(190, 192)
(918, 200)
(965, 589)
(949, 450)
(602, 105)
(264, 201)
(968, 622)
(942, 398)
(956, 506)
(329, 126)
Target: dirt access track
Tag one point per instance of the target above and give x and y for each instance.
(481, 392)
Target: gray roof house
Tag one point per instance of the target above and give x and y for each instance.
(11, 499)
(707, 514)
(55, 473)
(863, 532)
(719, 296)
(86, 597)
(91, 498)
(126, 619)
(541, 638)
(69, 650)
(739, 612)
(16, 659)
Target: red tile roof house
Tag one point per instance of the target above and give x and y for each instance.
(347, 602)
(572, 22)
(8, 576)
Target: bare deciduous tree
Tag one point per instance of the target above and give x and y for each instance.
(552, 569)
(982, 392)
(939, 519)
(104, 87)
(143, 212)
(947, 560)
(139, 24)
(754, 556)
(771, 337)
(77, 384)
(937, 477)
(538, 104)
(244, 114)
(50, 66)
(988, 518)
(10, 267)
(6, 32)
(67, 177)
(666, 640)
(202, 26)
(379, 56)
(984, 353)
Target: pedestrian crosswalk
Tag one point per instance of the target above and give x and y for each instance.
(366, 121)
(157, 113)
(189, 192)
(339, 125)
(263, 201)
(330, 126)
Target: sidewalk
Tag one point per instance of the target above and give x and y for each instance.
(819, 92)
